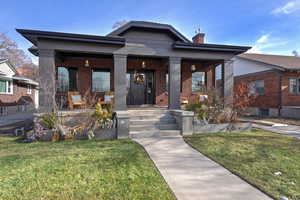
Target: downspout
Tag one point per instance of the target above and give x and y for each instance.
(280, 93)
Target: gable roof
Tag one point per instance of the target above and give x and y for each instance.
(149, 26)
(285, 62)
(5, 60)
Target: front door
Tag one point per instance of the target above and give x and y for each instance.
(140, 86)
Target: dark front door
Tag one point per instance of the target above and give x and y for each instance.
(140, 86)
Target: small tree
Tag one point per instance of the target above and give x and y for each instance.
(242, 98)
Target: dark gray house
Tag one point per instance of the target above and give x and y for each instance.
(169, 65)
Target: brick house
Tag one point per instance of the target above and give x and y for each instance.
(276, 81)
(171, 66)
(17, 93)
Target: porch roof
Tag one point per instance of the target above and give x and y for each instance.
(211, 47)
(34, 35)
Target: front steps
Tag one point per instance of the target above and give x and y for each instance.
(152, 123)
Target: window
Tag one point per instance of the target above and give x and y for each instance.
(257, 87)
(167, 82)
(6, 87)
(198, 82)
(28, 89)
(66, 79)
(100, 81)
(3, 111)
(294, 85)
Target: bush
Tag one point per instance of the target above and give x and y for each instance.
(49, 120)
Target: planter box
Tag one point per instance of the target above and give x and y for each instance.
(226, 127)
(47, 137)
(105, 133)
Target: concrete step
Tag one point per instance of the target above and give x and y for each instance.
(161, 133)
(149, 117)
(152, 121)
(156, 127)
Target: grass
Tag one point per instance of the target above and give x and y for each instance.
(96, 169)
(255, 156)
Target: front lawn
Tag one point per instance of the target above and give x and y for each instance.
(118, 169)
(255, 156)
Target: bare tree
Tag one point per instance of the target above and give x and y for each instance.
(17, 57)
(295, 53)
(117, 24)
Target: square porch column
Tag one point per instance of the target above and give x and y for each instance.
(228, 82)
(46, 80)
(174, 82)
(120, 69)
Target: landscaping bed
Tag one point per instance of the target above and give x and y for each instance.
(256, 157)
(86, 169)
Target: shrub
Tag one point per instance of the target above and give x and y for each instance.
(49, 120)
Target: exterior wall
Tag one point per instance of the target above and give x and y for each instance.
(290, 112)
(271, 98)
(19, 101)
(242, 66)
(289, 99)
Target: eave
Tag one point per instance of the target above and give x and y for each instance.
(34, 35)
(211, 47)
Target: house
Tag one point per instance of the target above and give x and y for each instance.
(142, 62)
(17, 93)
(276, 81)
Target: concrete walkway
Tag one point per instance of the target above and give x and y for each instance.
(191, 175)
(290, 130)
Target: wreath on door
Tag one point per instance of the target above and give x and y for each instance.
(139, 78)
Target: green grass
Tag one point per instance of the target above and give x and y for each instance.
(255, 156)
(110, 169)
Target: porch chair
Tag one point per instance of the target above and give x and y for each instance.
(75, 99)
(108, 99)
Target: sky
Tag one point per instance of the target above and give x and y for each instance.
(269, 26)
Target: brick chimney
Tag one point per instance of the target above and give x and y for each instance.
(199, 38)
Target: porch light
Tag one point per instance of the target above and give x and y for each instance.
(86, 63)
(193, 68)
(143, 64)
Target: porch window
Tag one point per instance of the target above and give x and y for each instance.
(100, 81)
(6, 87)
(294, 86)
(198, 82)
(257, 87)
(66, 79)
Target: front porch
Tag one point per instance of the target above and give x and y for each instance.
(92, 75)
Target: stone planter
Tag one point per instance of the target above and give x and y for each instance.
(105, 133)
(47, 136)
(226, 127)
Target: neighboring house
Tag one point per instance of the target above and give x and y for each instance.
(276, 81)
(17, 93)
(142, 62)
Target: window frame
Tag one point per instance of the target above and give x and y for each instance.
(297, 86)
(9, 86)
(29, 89)
(256, 91)
(101, 70)
(205, 81)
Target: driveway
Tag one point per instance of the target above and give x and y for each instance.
(9, 123)
(191, 175)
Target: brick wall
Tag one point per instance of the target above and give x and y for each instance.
(271, 98)
(18, 97)
(289, 99)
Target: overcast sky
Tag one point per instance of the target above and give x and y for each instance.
(270, 26)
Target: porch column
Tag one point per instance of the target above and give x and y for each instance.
(228, 82)
(46, 80)
(120, 68)
(174, 82)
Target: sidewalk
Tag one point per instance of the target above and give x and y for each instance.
(191, 175)
(285, 129)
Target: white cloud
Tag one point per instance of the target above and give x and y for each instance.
(287, 8)
(265, 44)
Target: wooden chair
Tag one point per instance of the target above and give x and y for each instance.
(108, 99)
(75, 99)
(184, 100)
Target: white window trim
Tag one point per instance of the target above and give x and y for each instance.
(297, 86)
(29, 89)
(11, 87)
